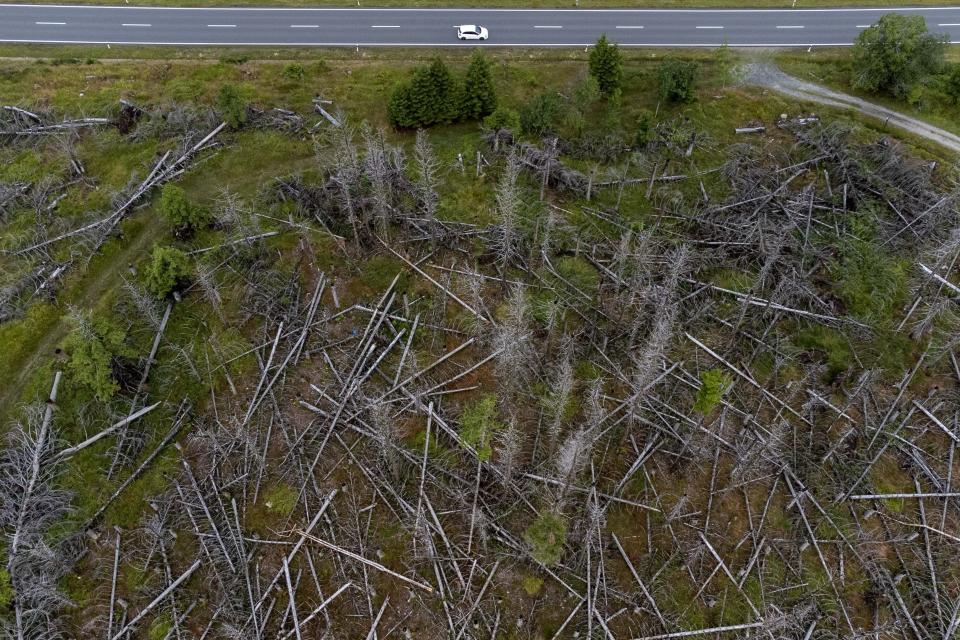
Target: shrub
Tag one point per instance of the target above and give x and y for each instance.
(294, 72)
(546, 537)
(724, 64)
(895, 54)
(713, 384)
(606, 65)
(479, 93)
(644, 132)
(539, 117)
(169, 269)
(503, 118)
(180, 212)
(951, 84)
(678, 80)
(478, 424)
(232, 106)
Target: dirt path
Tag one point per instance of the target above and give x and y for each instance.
(766, 74)
(89, 291)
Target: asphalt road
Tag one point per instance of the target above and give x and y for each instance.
(436, 27)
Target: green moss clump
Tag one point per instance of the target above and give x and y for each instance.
(282, 499)
(713, 384)
(6, 590)
(159, 628)
(378, 272)
(578, 272)
(831, 344)
(478, 424)
(532, 585)
(870, 282)
(546, 537)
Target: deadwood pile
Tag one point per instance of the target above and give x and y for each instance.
(559, 424)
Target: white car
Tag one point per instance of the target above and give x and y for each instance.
(472, 32)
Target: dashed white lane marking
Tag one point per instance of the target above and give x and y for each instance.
(304, 26)
(135, 24)
(949, 24)
(863, 26)
(38, 22)
(384, 26)
(629, 26)
(710, 27)
(221, 26)
(789, 26)
(547, 26)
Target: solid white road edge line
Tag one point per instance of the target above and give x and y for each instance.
(569, 45)
(489, 10)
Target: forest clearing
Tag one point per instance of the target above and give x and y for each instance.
(648, 355)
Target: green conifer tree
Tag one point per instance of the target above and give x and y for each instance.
(479, 94)
(431, 97)
(232, 105)
(606, 65)
(169, 269)
(185, 216)
(400, 110)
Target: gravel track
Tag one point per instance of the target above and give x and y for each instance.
(766, 74)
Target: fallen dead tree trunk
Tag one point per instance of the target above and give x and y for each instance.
(318, 106)
(60, 126)
(559, 175)
(160, 174)
(19, 122)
